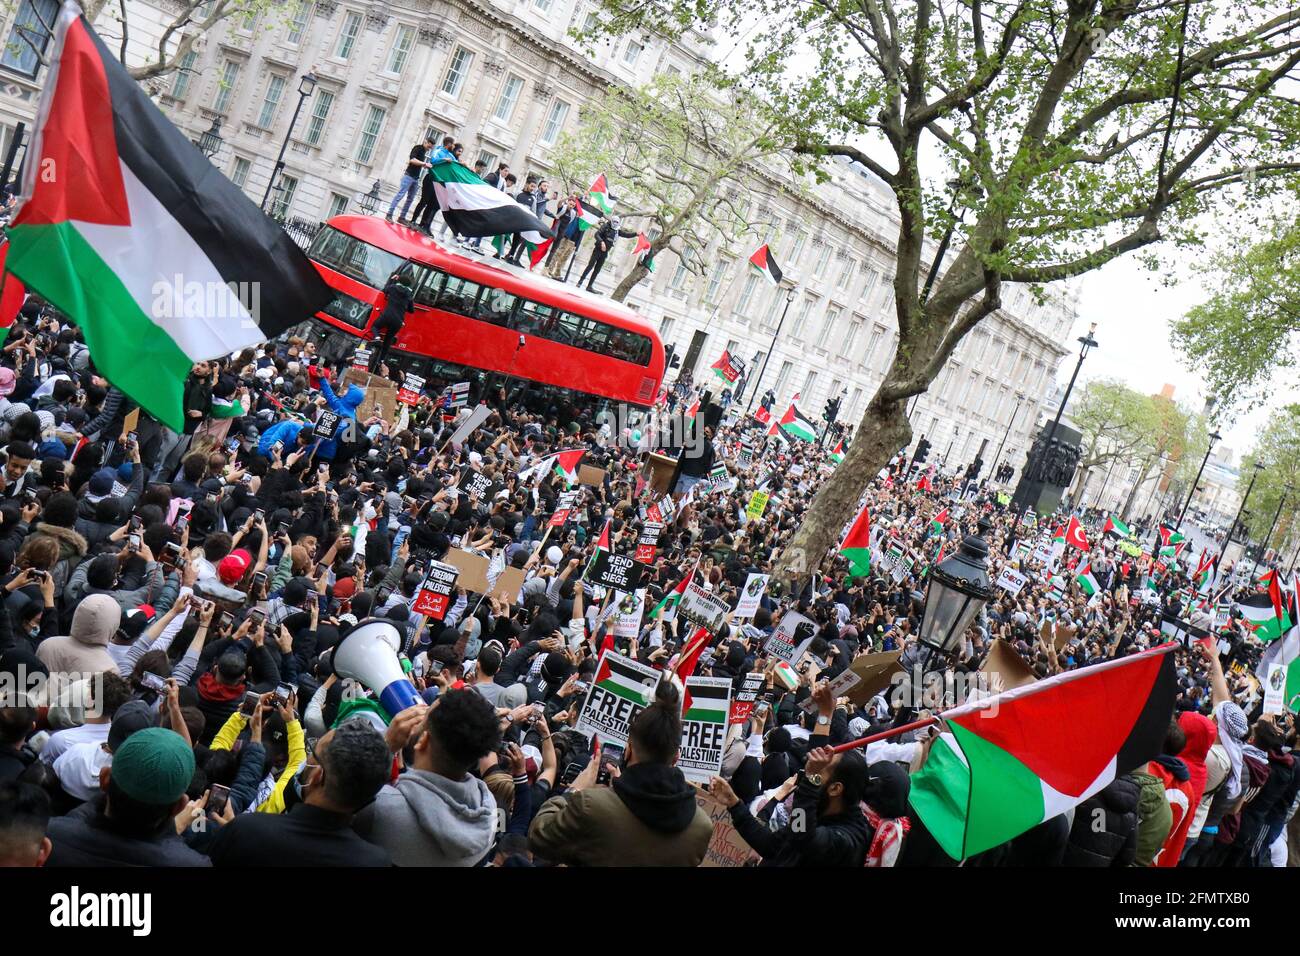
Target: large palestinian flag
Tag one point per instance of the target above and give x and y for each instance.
(599, 195)
(856, 546)
(1116, 527)
(12, 294)
(126, 227)
(473, 208)
(1261, 619)
(1010, 762)
(793, 423)
(762, 261)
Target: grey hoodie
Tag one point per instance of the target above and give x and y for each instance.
(430, 820)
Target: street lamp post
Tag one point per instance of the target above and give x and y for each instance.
(306, 86)
(1214, 437)
(1241, 509)
(789, 298)
(997, 459)
(370, 201)
(1087, 342)
(958, 588)
(210, 141)
(1286, 490)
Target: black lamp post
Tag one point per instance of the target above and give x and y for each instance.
(1088, 342)
(210, 142)
(766, 358)
(1286, 490)
(957, 590)
(1214, 437)
(278, 190)
(1241, 510)
(370, 201)
(306, 86)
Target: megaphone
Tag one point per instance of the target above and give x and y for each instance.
(368, 653)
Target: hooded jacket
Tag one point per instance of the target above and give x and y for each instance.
(426, 819)
(85, 649)
(72, 548)
(285, 431)
(648, 818)
(345, 407)
(1104, 832)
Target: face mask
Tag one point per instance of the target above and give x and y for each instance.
(299, 780)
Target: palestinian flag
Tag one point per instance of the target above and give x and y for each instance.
(793, 423)
(589, 216)
(614, 676)
(1074, 535)
(1287, 653)
(708, 702)
(599, 195)
(1007, 763)
(762, 261)
(602, 544)
(566, 465)
(536, 250)
(1116, 527)
(690, 656)
(837, 453)
(856, 546)
(642, 251)
(1056, 588)
(785, 675)
(1087, 581)
(726, 368)
(938, 521)
(1207, 567)
(12, 294)
(157, 256)
(693, 411)
(762, 415)
(1168, 536)
(1261, 618)
(673, 598)
(473, 208)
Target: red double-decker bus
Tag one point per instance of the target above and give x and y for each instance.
(482, 314)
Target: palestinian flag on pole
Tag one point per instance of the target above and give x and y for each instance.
(473, 208)
(793, 423)
(566, 465)
(690, 656)
(1116, 527)
(536, 250)
(1261, 618)
(938, 521)
(1087, 581)
(762, 261)
(673, 598)
(133, 222)
(856, 546)
(589, 215)
(12, 294)
(1287, 653)
(693, 410)
(1168, 536)
(837, 453)
(599, 195)
(641, 251)
(1009, 762)
(1207, 568)
(726, 368)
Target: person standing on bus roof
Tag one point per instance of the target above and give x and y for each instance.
(410, 179)
(399, 303)
(606, 235)
(428, 204)
(532, 198)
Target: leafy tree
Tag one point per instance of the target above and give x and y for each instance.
(676, 153)
(1278, 448)
(1115, 423)
(1051, 135)
(1245, 331)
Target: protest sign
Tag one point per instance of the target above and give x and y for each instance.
(618, 572)
(472, 567)
(703, 608)
(839, 686)
(412, 386)
(1005, 668)
(361, 358)
(477, 485)
(648, 542)
(704, 727)
(434, 596)
(459, 393)
(757, 505)
(1275, 689)
(564, 507)
(1012, 580)
(667, 509)
(791, 638)
(591, 475)
(1044, 554)
(876, 671)
(381, 394)
(629, 608)
(750, 595)
(131, 421)
(726, 847)
(470, 424)
(327, 424)
(746, 697)
(622, 689)
(510, 584)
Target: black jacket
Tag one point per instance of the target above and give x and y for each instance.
(1105, 827)
(397, 306)
(86, 838)
(840, 840)
(305, 836)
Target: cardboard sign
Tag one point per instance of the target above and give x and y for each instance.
(703, 608)
(619, 572)
(471, 424)
(473, 569)
(380, 398)
(750, 595)
(757, 505)
(1011, 580)
(361, 358)
(648, 542)
(591, 475)
(412, 386)
(876, 671)
(746, 698)
(563, 508)
(791, 638)
(1005, 668)
(628, 610)
(622, 689)
(434, 596)
(704, 728)
(726, 848)
(130, 421)
(840, 685)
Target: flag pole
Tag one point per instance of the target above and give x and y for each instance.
(885, 734)
(759, 381)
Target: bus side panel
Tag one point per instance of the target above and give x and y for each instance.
(357, 290)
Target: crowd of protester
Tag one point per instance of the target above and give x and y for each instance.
(172, 600)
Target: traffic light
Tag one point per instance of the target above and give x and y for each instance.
(671, 358)
(832, 409)
(922, 451)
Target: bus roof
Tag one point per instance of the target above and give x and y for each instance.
(411, 244)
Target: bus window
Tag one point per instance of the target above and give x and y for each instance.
(534, 318)
(496, 306)
(595, 336)
(429, 285)
(458, 296)
(355, 259)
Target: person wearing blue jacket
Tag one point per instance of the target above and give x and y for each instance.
(345, 407)
(286, 431)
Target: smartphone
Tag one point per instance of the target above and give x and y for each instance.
(132, 438)
(251, 699)
(232, 445)
(611, 755)
(277, 446)
(257, 617)
(171, 553)
(153, 682)
(133, 541)
(282, 693)
(571, 771)
(259, 578)
(182, 522)
(762, 708)
(283, 530)
(227, 619)
(37, 574)
(218, 797)
(135, 523)
(259, 516)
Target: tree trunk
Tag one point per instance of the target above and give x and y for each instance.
(884, 429)
(1132, 492)
(628, 282)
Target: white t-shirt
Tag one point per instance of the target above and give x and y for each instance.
(62, 741)
(78, 769)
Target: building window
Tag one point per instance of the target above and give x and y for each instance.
(665, 327)
(809, 384)
(434, 135)
(489, 160)
(248, 21)
(802, 319)
(274, 90)
(823, 254)
(783, 378)
(226, 87)
(348, 35)
(28, 26)
(854, 404)
(873, 346)
(774, 303)
(832, 316)
(554, 122)
(715, 281)
(747, 294)
(679, 277)
(508, 98)
(543, 5)
(370, 134)
(401, 49)
(338, 205)
(454, 81)
(846, 273)
(298, 23)
(632, 53)
(320, 113)
(184, 71)
(796, 246)
(284, 197)
(846, 348)
(239, 172)
(869, 281)
(590, 24)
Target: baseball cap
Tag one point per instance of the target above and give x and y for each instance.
(154, 766)
(233, 566)
(100, 484)
(131, 718)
